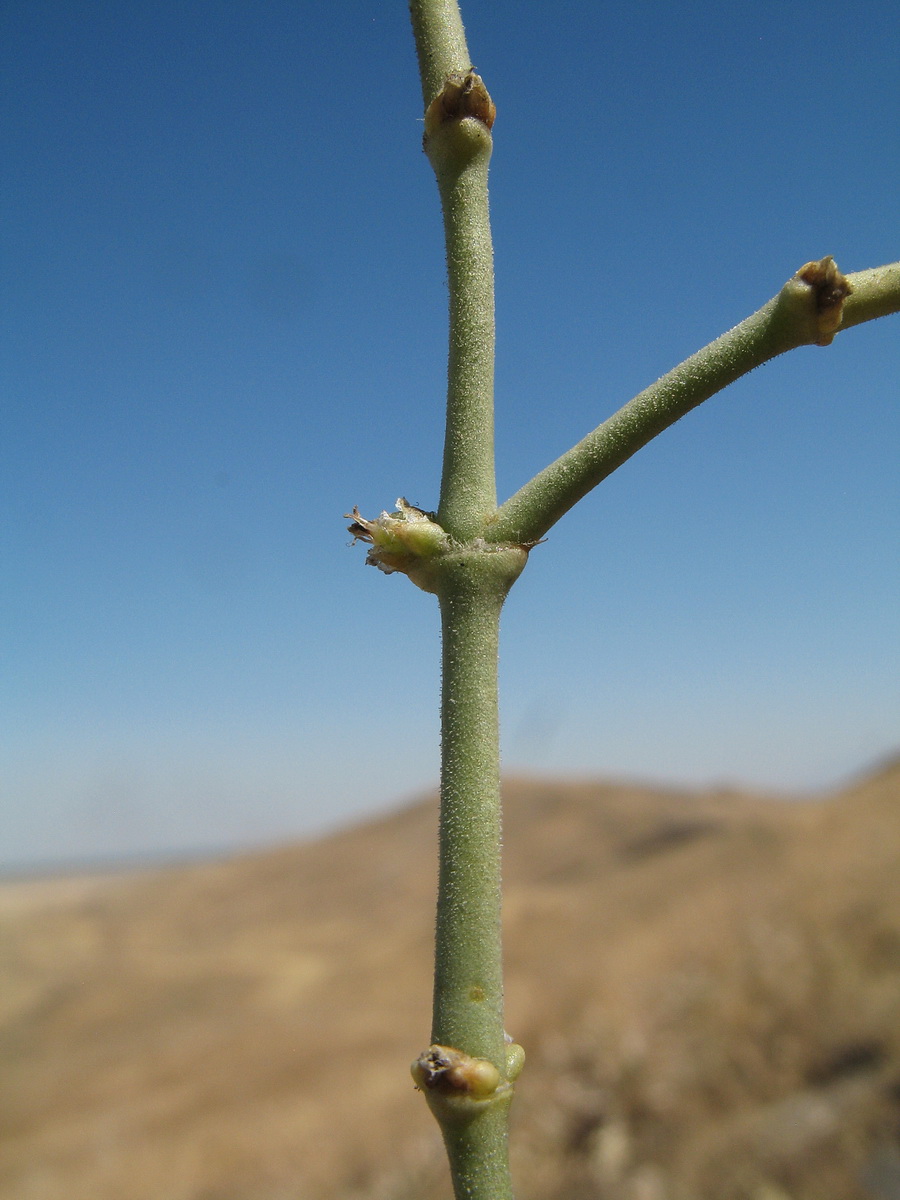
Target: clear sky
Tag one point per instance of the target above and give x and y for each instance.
(224, 324)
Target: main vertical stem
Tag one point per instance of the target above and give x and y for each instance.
(468, 488)
(440, 43)
(459, 149)
(471, 581)
(468, 983)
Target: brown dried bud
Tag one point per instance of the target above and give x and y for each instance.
(452, 1073)
(463, 95)
(830, 289)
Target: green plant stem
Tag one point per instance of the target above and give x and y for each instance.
(472, 570)
(471, 582)
(876, 293)
(468, 982)
(468, 979)
(440, 43)
(785, 323)
(478, 1155)
(468, 487)
(460, 155)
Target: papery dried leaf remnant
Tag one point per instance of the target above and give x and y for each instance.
(400, 540)
(831, 288)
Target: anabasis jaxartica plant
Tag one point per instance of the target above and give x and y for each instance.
(470, 552)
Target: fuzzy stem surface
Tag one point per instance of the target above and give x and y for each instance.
(788, 321)
(468, 982)
(459, 149)
(468, 483)
(471, 587)
(876, 293)
(468, 979)
(440, 43)
(479, 1158)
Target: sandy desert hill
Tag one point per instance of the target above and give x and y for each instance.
(707, 986)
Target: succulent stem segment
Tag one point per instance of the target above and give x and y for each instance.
(470, 552)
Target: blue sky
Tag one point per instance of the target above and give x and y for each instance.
(224, 324)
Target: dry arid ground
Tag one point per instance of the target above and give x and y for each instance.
(707, 986)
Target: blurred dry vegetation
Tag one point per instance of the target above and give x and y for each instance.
(707, 986)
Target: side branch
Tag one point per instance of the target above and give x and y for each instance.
(808, 310)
